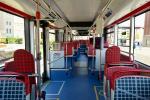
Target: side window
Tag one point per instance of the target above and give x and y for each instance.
(11, 38)
(123, 40)
(142, 38)
(111, 36)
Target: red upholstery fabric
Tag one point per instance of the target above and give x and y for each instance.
(24, 61)
(113, 55)
(75, 44)
(68, 49)
(91, 51)
(9, 66)
(111, 70)
(87, 42)
(84, 42)
(128, 73)
(125, 58)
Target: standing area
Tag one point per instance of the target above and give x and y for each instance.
(82, 83)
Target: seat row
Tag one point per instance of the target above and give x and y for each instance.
(73, 49)
(124, 80)
(70, 48)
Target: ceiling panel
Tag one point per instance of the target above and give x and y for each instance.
(80, 10)
(122, 7)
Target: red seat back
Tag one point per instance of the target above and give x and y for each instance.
(24, 61)
(75, 44)
(68, 49)
(87, 43)
(83, 42)
(125, 58)
(113, 54)
(91, 50)
(111, 70)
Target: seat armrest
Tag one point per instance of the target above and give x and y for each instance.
(125, 64)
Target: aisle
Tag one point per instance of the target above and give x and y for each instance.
(80, 87)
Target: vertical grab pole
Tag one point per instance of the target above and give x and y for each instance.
(101, 35)
(66, 56)
(132, 38)
(66, 46)
(93, 59)
(93, 48)
(47, 52)
(88, 49)
(38, 54)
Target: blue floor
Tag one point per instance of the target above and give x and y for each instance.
(79, 87)
(99, 92)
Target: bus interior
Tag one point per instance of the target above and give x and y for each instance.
(74, 49)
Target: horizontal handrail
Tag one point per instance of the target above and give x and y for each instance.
(127, 52)
(5, 59)
(56, 60)
(29, 75)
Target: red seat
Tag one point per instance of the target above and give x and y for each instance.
(131, 84)
(84, 42)
(125, 58)
(68, 49)
(91, 51)
(112, 56)
(109, 72)
(23, 63)
(113, 60)
(75, 44)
